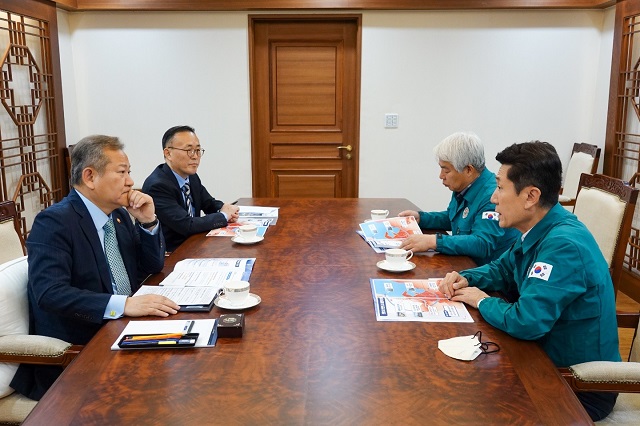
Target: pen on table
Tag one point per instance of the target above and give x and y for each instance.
(214, 333)
(149, 342)
(187, 327)
(154, 336)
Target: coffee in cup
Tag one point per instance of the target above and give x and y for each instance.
(379, 214)
(398, 256)
(248, 232)
(236, 292)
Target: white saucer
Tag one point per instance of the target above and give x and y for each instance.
(407, 266)
(241, 240)
(252, 300)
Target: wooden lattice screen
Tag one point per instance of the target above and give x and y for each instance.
(30, 171)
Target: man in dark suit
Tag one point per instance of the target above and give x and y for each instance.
(87, 257)
(179, 195)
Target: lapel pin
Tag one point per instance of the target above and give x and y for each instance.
(118, 219)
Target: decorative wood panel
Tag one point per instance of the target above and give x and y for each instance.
(622, 148)
(30, 166)
(328, 4)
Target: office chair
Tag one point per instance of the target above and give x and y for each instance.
(10, 237)
(17, 345)
(606, 206)
(584, 159)
(607, 376)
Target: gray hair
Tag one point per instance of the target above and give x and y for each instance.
(461, 149)
(89, 152)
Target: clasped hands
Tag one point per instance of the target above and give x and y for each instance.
(231, 211)
(456, 287)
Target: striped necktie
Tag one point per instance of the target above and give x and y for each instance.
(118, 272)
(188, 201)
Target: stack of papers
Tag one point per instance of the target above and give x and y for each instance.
(257, 215)
(194, 284)
(388, 233)
(209, 272)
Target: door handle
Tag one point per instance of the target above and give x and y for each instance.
(349, 148)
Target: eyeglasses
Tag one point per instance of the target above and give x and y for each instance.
(190, 152)
(486, 347)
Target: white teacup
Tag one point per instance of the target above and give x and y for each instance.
(398, 257)
(236, 292)
(379, 214)
(248, 232)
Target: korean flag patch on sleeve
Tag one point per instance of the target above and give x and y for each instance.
(541, 270)
(491, 215)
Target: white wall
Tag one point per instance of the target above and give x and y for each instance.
(510, 76)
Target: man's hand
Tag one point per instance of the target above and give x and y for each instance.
(469, 295)
(452, 281)
(417, 243)
(410, 213)
(150, 304)
(141, 206)
(231, 211)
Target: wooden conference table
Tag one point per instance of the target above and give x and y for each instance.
(313, 352)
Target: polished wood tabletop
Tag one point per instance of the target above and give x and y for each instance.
(313, 352)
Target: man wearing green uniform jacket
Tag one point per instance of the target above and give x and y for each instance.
(565, 294)
(471, 216)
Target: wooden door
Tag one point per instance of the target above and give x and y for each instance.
(305, 105)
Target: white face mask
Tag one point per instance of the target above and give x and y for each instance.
(467, 348)
(464, 348)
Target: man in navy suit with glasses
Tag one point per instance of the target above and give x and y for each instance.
(178, 193)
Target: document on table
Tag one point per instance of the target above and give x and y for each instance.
(209, 272)
(389, 233)
(269, 214)
(193, 299)
(206, 329)
(415, 300)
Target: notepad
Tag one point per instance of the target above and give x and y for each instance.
(206, 330)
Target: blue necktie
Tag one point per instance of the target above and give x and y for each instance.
(118, 271)
(186, 189)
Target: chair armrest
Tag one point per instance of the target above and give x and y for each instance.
(603, 376)
(35, 349)
(628, 319)
(566, 201)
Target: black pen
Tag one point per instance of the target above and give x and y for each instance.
(214, 333)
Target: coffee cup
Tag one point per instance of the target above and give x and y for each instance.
(398, 256)
(248, 232)
(379, 214)
(236, 292)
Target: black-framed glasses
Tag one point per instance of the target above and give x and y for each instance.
(190, 152)
(486, 347)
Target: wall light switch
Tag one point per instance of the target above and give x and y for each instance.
(390, 121)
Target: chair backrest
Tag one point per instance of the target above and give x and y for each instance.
(606, 206)
(584, 159)
(10, 237)
(14, 311)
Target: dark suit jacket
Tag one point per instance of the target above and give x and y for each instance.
(69, 281)
(177, 225)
